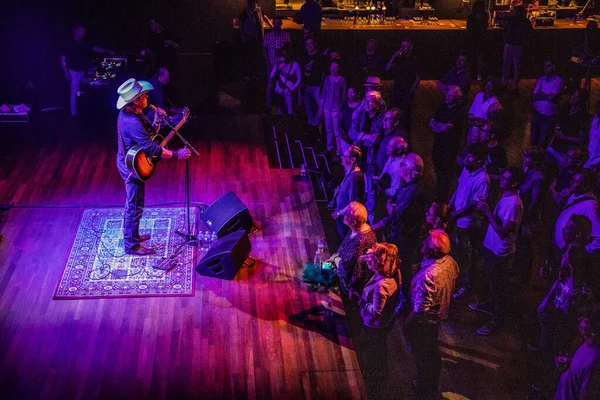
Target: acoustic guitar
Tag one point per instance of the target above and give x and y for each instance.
(143, 166)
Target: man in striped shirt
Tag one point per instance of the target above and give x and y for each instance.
(272, 43)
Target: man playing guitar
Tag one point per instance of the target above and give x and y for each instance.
(134, 129)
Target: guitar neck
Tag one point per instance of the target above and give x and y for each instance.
(174, 131)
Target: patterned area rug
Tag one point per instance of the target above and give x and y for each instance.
(99, 268)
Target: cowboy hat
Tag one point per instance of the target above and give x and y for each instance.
(372, 81)
(130, 90)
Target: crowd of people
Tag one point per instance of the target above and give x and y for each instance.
(486, 216)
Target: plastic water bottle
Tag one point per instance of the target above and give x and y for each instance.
(201, 243)
(213, 237)
(303, 170)
(207, 240)
(318, 261)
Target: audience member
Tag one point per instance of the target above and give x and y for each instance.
(367, 125)
(160, 48)
(377, 304)
(480, 110)
(75, 61)
(272, 45)
(431, 292)
(583, 202)
(158, 96)
(437, 217)
(351, 189)
(531, 193)
(351, 105)
(396, 151)
(571, 128)
(560, 189)
(333, 97)
(496, 159)
(556, 313)
(594, 140)
(392, 120)
(447, 126)
(473, 186)
(404, 68)
(372, 83)
(516, 32)
(545, 105)
(311, 16)
(405, 215)
(458, 75)
(499, 247)
(350, 269)
(251, 38)
(313, 66)
(581, 378)
(286, 78)
(370, 63)
(477, 25)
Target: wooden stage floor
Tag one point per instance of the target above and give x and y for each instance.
(233, 339)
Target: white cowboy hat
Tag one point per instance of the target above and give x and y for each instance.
(130, 90)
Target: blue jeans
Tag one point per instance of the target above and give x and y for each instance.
(541, 128)
(134, 207)
(312, 99)
(512, 58)
(497, 275)
(465, 249)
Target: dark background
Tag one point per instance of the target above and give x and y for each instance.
(33, 33)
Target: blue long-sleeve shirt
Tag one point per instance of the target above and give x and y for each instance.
(134, 129)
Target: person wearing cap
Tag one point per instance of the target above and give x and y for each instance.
(372, 83)
(133, 128)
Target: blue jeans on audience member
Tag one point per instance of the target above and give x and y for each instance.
(312, 99)
(497, 271)
(541, 128)
(76, 77)
(465, 249)
(134, 207)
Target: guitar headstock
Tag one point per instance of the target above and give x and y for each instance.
(185, 113)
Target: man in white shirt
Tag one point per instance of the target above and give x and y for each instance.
(430, 291)
(545, 108)
(499, 246)
(582, 202)
(396, 150)
(473, 186)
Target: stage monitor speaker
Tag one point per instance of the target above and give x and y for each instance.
(226, 215)
(225, 256)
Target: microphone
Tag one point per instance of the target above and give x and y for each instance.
(155, 109)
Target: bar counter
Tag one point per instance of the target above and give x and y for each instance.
(405, 24)
(437, 45)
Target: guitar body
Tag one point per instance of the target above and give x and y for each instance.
(141, 165)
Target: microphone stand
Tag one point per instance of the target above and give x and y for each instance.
(190, 238)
